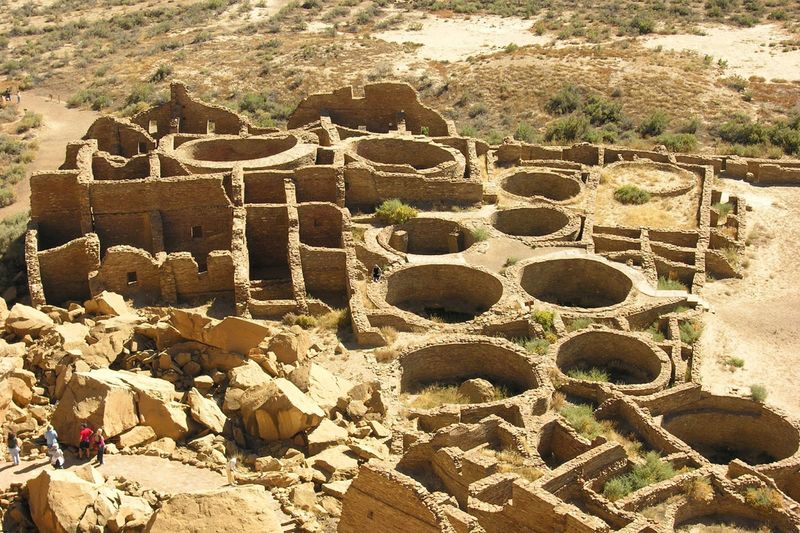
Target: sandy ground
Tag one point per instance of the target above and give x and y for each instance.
(757, 318)
(155, 473)
(60, 126)
(749, 51)
(457, 38)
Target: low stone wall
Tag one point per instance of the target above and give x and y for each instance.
(531, 182)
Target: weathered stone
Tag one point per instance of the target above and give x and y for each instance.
(205, 411)
(267, 464)
(277, 410)
(24, 320)
(247, 375)
(137, 437)
(303, 496)
(335, 463)
(324, 436)
(109, 303)
(21, 393)
(477, 390)
(325, 388)
(244, 509)
(290, 347)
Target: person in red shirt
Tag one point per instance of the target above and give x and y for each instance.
(86, 438)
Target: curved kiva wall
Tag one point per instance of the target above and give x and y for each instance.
(550, 185)
(455, 360)
(632, 364)
(407, 156)
(540, 222)
(722, 511)
(455, 293)
(575, 282)
(429, 236)
(226, 151)
(723, 428)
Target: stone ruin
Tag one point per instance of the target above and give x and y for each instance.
(188, 202)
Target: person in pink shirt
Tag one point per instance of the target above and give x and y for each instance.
(86, 439)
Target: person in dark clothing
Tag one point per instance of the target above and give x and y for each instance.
(13, 447)
(376, 273)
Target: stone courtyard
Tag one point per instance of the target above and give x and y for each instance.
(202, 288)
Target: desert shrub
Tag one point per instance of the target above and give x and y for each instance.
(667, 284)
(690, 331)
(395, 212)
(436, 395)
(655, 331)
(545, 319)
(510, 461)
(480, 233)
(653, 470)
(602, 111)
(12, 174)
(7, 197)
(477, 110)
(537, 346)
(565, 101)
(678, 142)
(742, 130)
(690, 126)
(758, 393)
(723, 208)
(581, 418)
(734, 362)
(163, 72)
(386, 354)
(589, 374)
(29, 121)
(654, 124)
(631, 195)
(389, 334)
(764, 497)
(642, 24)
(306, 321)
(570, 128)
(579, 323)
(737, 83)
(699, 489)
(334, 319)
(525, 132)
(94, 98)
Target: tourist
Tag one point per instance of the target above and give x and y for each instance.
(100, 444)
(231, 468)
(51, 437)
(86, 438)
(13, 447)
(19, 97)
(376, 274)
(57, 457)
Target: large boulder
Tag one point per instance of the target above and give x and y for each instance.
(291, 347)
(67, 501)
(205, 411)
(278, 410)
(248, 375)
(108, 303)
(325, 388)
(231, 334)
(157, 405)
(24, 320)
(246, 508)
(101, 399)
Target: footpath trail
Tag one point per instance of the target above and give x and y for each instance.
(155, 473)
(60, 126)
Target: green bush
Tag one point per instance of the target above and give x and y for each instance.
(537, 346)
(525, 132)
(581, 418)
(631, 194)
(654, 124)
(579, 323)
(642, 24)
(480, 233)
(589, 374)
(565, 101)
(758, 393)
(653, 470)
(12, 174)
(7, 197)
(545, 319)
(163, 72)
(29, 121)
(94, 98)
(666, 284)
(764, 497)
(571, 128)
(602, 111)
(678, 142)
(742, 130)
(395, 212)
(690, 331)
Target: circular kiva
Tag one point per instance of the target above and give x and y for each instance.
(659, 179)
(550, 185)
(226, 151)
(575, 282)
(453, 362)
(400, 155)
(430, 236)
(445, 292)
(629, 363)
(723, 428)
(540, 222)
(722, 511)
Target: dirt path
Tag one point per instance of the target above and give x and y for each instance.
(757, 318)
(156, 473)
(60, 126)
